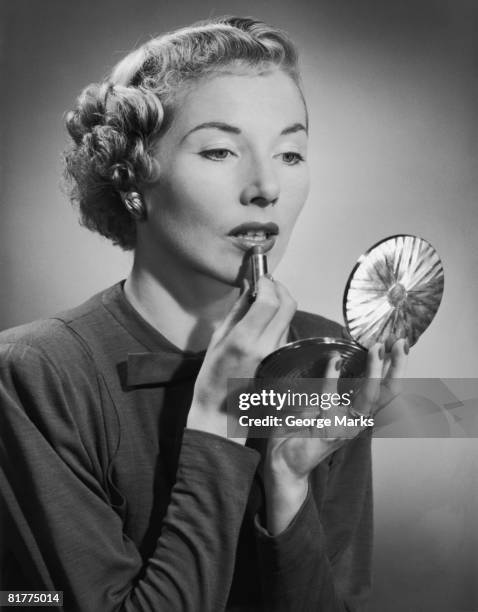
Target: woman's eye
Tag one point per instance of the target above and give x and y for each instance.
(292, 158)
(216, 154)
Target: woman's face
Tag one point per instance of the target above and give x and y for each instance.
(233, 174)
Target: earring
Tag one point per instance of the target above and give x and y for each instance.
(134, 204)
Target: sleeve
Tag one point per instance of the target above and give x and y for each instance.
(322, 561)
(65, 531)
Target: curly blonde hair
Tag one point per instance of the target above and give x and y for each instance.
(117, 123)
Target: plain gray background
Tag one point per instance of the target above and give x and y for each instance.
(393, 101)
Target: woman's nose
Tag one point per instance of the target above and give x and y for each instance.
(262, 186)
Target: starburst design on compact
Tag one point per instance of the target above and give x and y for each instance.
(394, 291)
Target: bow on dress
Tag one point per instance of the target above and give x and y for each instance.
(145, 369)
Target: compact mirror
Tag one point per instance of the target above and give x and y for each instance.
(393, 291)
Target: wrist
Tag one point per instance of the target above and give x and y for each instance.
(285, 486)
(210, 421)
(283, 501)
(279, 473)
(285, 492)
(203, 419)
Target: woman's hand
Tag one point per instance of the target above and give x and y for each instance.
(289, 460)
(245, 337)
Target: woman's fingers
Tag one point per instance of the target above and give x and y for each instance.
(251, 331)
(261, 311)
(236, 313)
(399, 358)
(332, 373)
(367, 397)
(275, 334)
(392, 383)
(329, 385)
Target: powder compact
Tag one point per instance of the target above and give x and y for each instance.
(394, 291)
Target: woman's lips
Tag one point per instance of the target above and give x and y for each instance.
(246, 241)
(250, 234)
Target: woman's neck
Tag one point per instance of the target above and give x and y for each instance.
(185, 309)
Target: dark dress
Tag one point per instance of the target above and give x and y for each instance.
(107, 497)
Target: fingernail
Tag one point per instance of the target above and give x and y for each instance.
(338, 364)
(381, 353)
(406, 347)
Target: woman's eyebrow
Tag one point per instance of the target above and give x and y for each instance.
(219, 125)
(231, 129)
(296, 127)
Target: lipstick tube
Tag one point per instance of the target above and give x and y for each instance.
(258, 262)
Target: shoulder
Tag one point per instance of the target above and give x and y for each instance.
(309, 325)
(48, 378)
(51, 340)
(51, 397)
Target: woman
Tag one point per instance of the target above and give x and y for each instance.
(119, 484)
